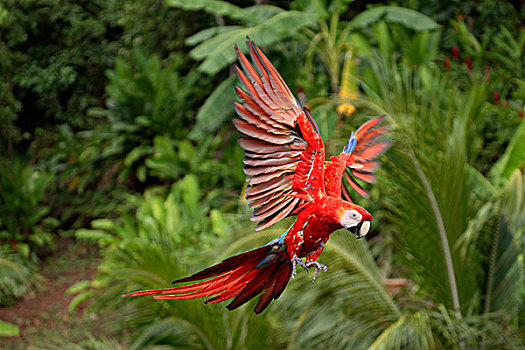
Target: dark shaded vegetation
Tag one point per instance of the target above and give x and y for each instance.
(115, 130)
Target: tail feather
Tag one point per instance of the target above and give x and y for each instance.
(241, 278)
(282, 279)
(274, 287)
(227, 265)
(253, 288)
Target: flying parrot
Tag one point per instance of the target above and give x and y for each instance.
(287, 176)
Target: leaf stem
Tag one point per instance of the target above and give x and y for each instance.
(442, 233)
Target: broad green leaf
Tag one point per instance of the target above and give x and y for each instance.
(216, 110)
(361, 44)
(480, 184)
(79, 299)
(101, 237)
(513, 158)
(263, 12)
(136, 153)
(102, 224)
(208, 33)
(218, 51)
(78, 287)
(384, 39)
(392, 14)
(214, 7)
(8, 330)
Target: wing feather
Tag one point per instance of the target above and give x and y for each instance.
(360, 164)
(284, 152)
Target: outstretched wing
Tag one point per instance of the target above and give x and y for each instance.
(359, 163)
(284, 151)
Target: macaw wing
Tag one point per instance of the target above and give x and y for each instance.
(284, 151)
(360, 164)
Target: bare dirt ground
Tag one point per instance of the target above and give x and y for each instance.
(43, 315)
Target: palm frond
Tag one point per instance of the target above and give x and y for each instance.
(426, 179)
(411, 331)
(347, 307)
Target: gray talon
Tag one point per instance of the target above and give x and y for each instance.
(318, 267)
(297, 261)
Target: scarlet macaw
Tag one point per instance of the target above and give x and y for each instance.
(288, 176)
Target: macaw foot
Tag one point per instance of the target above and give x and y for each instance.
(297, 261)
(318, 267)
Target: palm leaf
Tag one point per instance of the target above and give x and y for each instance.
(347, 307)
(426, 178)
(411, 331)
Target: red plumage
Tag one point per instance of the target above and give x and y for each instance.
(287, 176)
(239, 277)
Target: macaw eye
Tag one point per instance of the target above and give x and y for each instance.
(353, 214)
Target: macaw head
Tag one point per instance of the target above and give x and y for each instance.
(355, 219)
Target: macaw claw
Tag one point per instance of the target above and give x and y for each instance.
(297, 261)
(318, 267)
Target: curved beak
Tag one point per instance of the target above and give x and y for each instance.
(361, 229)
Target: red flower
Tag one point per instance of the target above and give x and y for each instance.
(446, 63)
(468, 62)
(496, 97)
(521, 113)
(455, 52)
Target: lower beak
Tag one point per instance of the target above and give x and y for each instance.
(361, 229)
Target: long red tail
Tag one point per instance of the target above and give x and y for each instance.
(242, 277)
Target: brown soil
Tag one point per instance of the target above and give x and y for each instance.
(45, 310)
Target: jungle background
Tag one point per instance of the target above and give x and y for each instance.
(120, 171)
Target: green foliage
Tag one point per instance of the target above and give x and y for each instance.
(392, 14)
(183, 218)
(454, 233)
(264, 24)
(142, 102)
(23, 215)
(431, 202)
(148, 96)
(171, 160)
(216, 110)
(152, 248)
(513, 158)
(17, 275)
(54, 53)
(8, 330)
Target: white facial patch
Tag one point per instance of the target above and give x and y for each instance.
(350, 219)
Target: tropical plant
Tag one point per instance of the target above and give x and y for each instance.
(167, 235)
(388, 27)
(171, 160)
(17, 275)
(24, 219)
(496, 63)
(458, 236)
(434, 202)
(142, 102)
